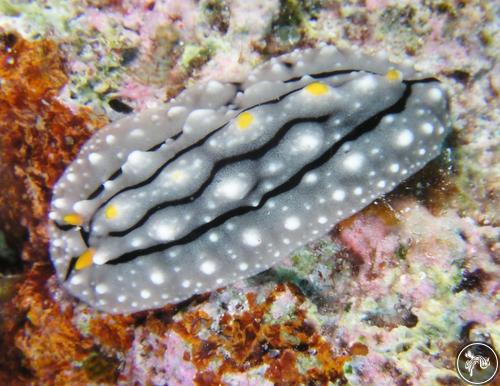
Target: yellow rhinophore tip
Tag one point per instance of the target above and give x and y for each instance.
(244, 120)
(111, 212)
(85, 259)
(317, 88)
(73, 219)
(394, 75)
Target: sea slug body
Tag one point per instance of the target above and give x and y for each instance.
(227, 179)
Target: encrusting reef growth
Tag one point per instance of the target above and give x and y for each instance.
(387, 296)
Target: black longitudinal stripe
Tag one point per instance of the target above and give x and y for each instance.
(249, 155)
(157, 146)
(198, 143)
(320, 75)
(72, 263)
(115, 175)
(85, 237)
(64, 227)
(358, 131)
(119, 171)
(365, 127)
(85, 234)
(158, 171)
(253, 154)
(96, 192)
(100, 189)
(71, 268)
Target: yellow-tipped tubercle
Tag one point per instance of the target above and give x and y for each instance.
(73, 219)
(111, 212)
(244, 120)
(394, 75)
(85, 259)
(317, 88)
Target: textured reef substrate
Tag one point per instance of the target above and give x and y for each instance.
(386, 298)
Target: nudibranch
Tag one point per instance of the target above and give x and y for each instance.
(229, 178)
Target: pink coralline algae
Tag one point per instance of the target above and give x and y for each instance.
(260, 342)
(158, 360)
(387, 297)
(369, 237)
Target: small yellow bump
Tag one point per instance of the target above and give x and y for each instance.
(177, 175)
(244, 120)
(85, 259)
(317, 88)
(73, 219)
(111, 212)
(394, 75)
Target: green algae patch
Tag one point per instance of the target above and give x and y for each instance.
(39, 19)
(194, 56)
